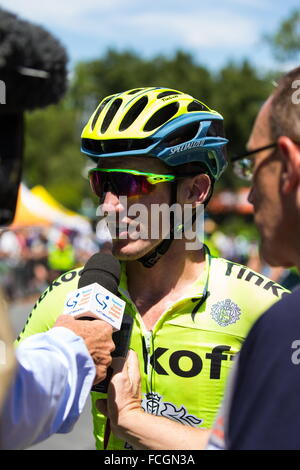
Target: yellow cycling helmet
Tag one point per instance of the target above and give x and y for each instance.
(157, 122)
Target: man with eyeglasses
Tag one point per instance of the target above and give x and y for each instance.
(157, 146)
(261, 409)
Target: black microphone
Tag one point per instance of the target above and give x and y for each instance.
(33, 74)
(104, 269)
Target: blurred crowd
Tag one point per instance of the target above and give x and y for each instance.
(244, 249)
(31, 258)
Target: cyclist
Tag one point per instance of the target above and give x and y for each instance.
(191, 311)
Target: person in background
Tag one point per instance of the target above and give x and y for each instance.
(261, 409)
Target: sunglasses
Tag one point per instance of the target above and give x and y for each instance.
(123, 182)
(243, 166)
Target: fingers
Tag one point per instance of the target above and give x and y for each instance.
(124, 394)
(128, 366)
(127, 374)
(133, 369)
(85, 328)
(65, 320)
(101, 374)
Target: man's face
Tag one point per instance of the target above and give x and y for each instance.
(125, 245)
(265, 194)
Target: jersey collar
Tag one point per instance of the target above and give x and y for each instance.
(199, 289)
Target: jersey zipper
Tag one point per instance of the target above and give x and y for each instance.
(148, 341)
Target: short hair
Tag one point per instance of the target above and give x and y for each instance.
(285, 107)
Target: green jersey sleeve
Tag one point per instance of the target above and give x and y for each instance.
(50, 304)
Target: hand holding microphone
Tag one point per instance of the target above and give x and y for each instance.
(96, 299)
(97, 336)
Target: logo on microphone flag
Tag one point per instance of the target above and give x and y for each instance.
(97, 302)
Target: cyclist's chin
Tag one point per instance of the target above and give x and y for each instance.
(130, 250)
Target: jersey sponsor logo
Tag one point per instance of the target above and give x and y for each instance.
(152, 403)
(241, 272)
(216, 358)
(225, 312)
(67, 277)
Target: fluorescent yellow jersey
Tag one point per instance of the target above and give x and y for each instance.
(185, 359)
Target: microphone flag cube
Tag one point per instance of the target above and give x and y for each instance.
(97, 302)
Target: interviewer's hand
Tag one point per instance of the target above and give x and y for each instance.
(124, 393)
(97, 335)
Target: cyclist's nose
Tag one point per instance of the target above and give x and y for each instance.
(111, 202)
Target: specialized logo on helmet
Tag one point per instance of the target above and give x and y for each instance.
(187, 146)
(153, 404)
(225, 312)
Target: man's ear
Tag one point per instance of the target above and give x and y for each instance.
(291, 164)
(196, 189)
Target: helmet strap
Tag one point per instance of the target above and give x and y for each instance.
(150, 259)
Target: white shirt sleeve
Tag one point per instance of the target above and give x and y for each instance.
(54, 377)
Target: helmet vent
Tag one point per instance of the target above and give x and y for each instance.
(216, 129)
(182, 135)
(161, 116)
(110, 114)
(101, 106)
(168, 93)
(133, 92)
(197, 106)
(98, 147)
(133, 113)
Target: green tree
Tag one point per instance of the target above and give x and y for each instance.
(239, 92)
(119, 71)
(52, 156)
(285, 42)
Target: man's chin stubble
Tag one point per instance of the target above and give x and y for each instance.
(124, 253)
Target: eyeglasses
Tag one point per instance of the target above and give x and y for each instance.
(243, 167)
(125, 182)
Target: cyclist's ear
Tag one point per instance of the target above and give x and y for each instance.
(195, 189)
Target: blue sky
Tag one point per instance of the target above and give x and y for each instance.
(213, 32)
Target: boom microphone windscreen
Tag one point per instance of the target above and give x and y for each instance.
(11, 156)
(33, 65)
(33, 74)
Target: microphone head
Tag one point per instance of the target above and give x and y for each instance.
(104, 269)
(33, 65)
